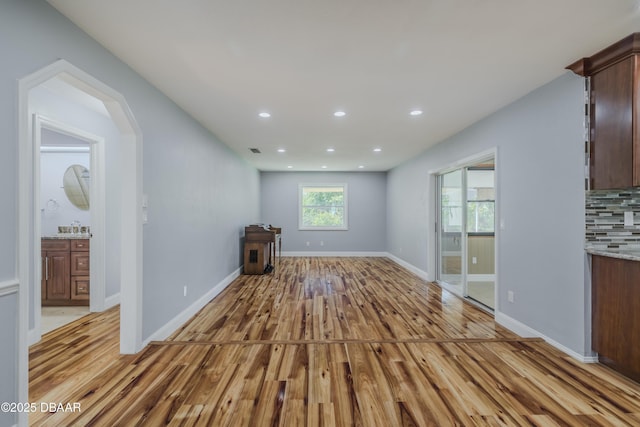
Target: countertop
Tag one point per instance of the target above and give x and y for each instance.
(67, 236)
(628, 254)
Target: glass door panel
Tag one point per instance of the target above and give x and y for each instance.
(451, 229)
(480, 229)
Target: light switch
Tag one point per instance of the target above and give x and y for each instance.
(628, 219)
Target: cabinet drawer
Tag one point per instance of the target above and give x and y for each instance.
(55, 245)
(78, 245)
(80, 288)
(79, 263)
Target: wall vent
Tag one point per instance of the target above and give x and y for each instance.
(254, 150)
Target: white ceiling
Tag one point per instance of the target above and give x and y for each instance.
(457, 60)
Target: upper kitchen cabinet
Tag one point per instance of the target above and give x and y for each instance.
(614, 121)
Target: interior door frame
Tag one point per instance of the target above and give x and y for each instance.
(131, 259)
(97, 195)
(437, 173)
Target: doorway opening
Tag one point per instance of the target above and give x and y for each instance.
(129, 213)
(466, 198)
(71, 193)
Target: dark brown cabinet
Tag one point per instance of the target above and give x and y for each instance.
(65, 272)
(56, 267)
(614, 122)
(616, 313)
(80, 270)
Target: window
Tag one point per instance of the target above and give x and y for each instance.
(323, 207)
(480, 201)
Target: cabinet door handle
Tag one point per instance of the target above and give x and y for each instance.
(46, 268)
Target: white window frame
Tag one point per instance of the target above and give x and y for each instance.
(345, 223)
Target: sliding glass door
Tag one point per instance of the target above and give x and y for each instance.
(450, 230)
(480, 213)
(466, 225)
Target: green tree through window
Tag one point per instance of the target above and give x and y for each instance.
(323, 207)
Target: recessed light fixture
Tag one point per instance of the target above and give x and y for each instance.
(289, 167)
(416, 112)
(377, 150)
(361, 167)
(323, 166)
(281, 150)
(330, 150)
(264, 115)
(339, 114)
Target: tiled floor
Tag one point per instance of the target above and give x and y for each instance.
(55, 317)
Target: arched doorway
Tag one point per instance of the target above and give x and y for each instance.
(130, 229)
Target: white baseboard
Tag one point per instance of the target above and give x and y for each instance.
(333, 254)
(175, 323)
(526, 331)
(33, 337)
(415, 270)
(506, 321)
(112, 301)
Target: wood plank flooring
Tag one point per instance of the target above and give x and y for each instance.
(324, 342)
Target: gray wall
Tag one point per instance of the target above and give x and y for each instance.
(200, 193)
(367, 203)
(8, 359)
(541, 208)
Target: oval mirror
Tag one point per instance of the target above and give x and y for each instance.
(76, 186)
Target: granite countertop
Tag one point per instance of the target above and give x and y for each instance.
(628, 254)
(66, 236)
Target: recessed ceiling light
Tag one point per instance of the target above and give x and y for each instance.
(289, 167)
(339, 114)
(416, 112)
(323, 166)
(377, 150)
(330, 150)
(361, 167)
(281, 150)
(264, 115)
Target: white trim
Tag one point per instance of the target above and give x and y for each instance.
(131, 223)
(333, 254)
(178, 321)
(506, 321)
(112, 301)
(344, 226)
(50, 149)
(465, 161)
(526, 331)
(9, 287)
(415, 270)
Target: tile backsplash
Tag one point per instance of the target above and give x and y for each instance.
(605, 227)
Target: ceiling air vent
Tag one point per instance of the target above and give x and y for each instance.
(254, 150)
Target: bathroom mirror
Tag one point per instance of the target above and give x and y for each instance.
(76, 182)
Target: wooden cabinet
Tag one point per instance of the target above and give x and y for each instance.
(256, 257)
(616, 313)
(65, 272)
(614, 122)
(56, 267)
(80, 270)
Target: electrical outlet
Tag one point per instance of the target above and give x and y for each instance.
(308, 243)
(628, 219)
(321, 243)
(511, 296)
(474, 260)
(185, 290)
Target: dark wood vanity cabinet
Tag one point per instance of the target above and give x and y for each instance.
(65, 272)
(614, 122)
(616, 313)
(56, 269)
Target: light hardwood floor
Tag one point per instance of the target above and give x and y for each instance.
(322, 342)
